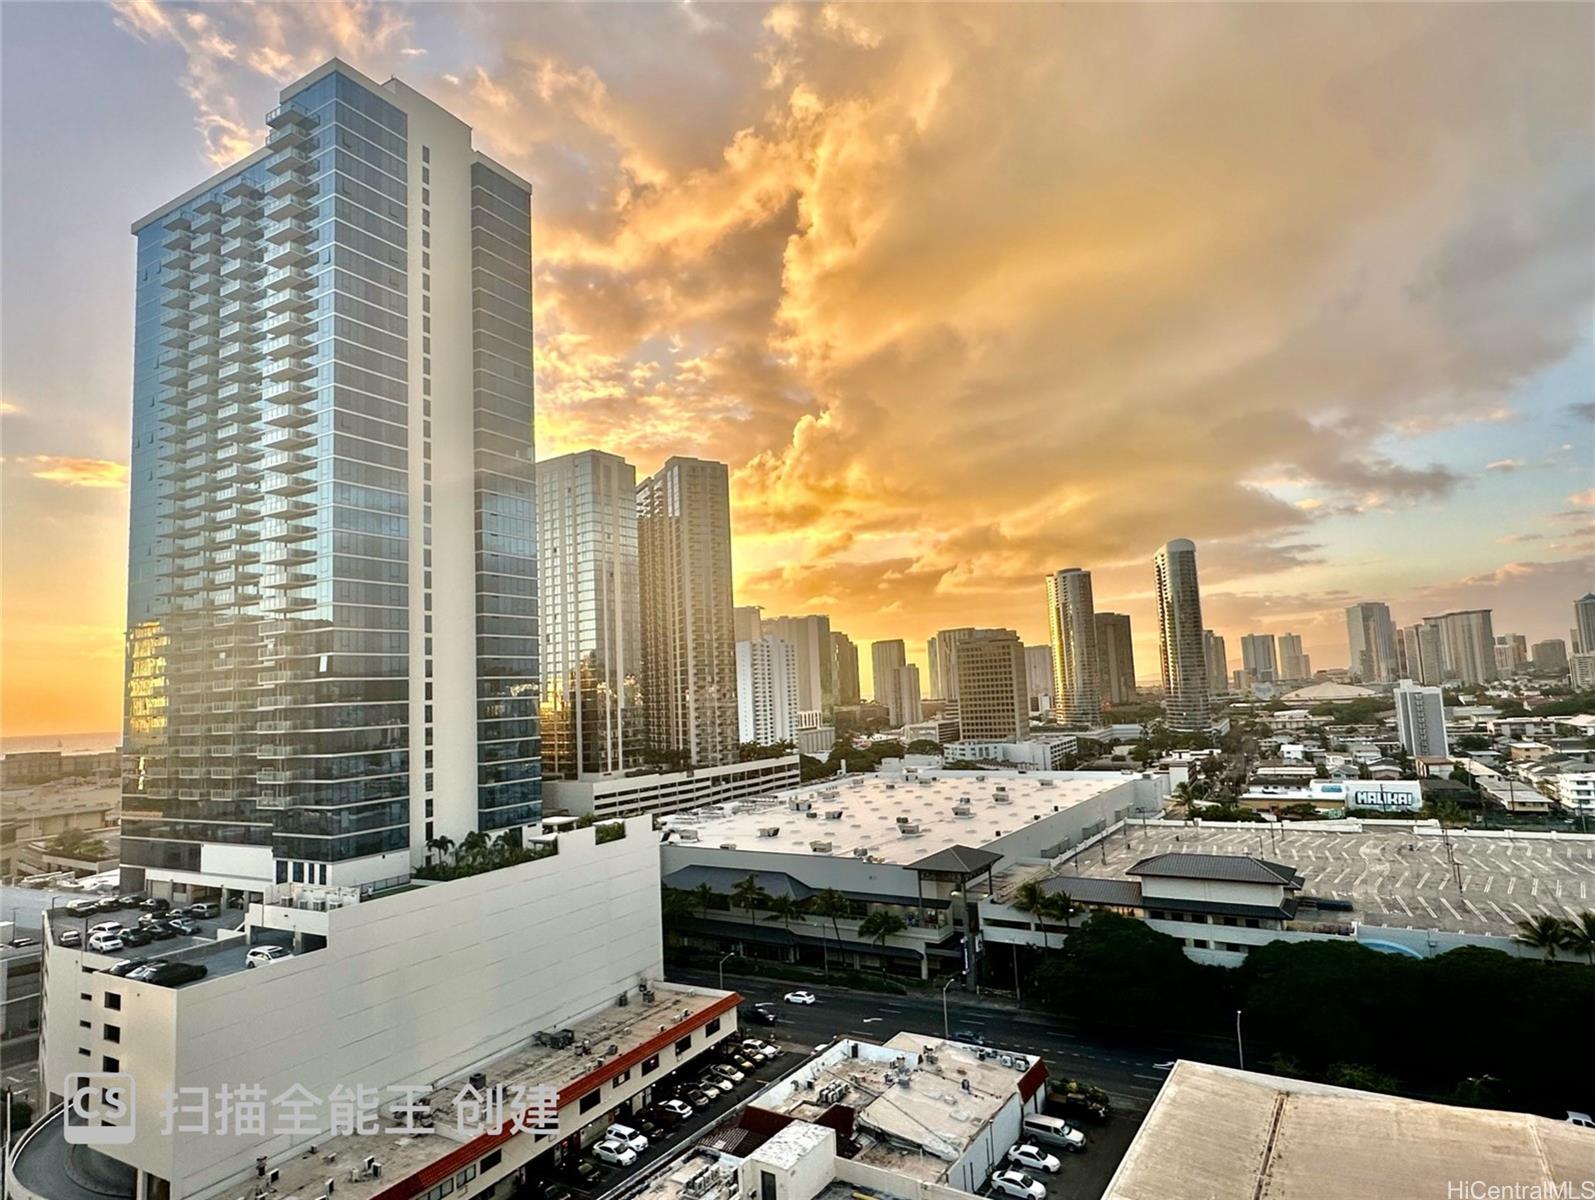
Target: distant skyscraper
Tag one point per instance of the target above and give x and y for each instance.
(1181, 650)
(992, 701)
(1214, 655)
(1466, 643)
(590, 616)
(902, 700)
(943, 656)
(1581, 669)
(885, 657)
(688, 642)
(1420, 719)
(1038, 678)
(747, 622)
(1372, 640)
(1550, 657)
(844, 666)
(1584, 623)
(1071, 619)
(1258, 657)
(332, 589)
(1420, 654)
(1115, 657)
(810, 639)
(1293, 663)
(767, 691)
(1511, 653)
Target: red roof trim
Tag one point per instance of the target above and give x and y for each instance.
(1033, 1080)
(436, 1172)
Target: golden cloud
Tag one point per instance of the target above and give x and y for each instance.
(78, 472)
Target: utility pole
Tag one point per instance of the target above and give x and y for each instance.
(1240, 1049)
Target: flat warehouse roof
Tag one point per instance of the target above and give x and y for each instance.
(999, 802)
(1222, 1133)
(1393, 877)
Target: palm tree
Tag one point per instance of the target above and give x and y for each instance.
(1543, 932)
(703, 893)
(830, 905)
(1059, 907)
(783, 909)
(746, 893)
(1029, 899)
(442, 845)
(880, 925)
(674, 904)
(1578, 935)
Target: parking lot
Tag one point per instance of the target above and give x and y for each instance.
(1085, 1176)
(610, 1178)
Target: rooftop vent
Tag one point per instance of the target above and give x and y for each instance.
(963, 810)
(833, 814)
(800, 805)
(820, 847)
(860, 851)
(769, 831)
(1002, 798)
(908, 828)
(728, 845)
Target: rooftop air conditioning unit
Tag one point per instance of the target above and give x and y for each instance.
(800, 805)
(833, 814)
(860, 851)
(1046, 783)
(623, 1000)
(728, 845)
(820, 847)
(1002, 798)
(908, 829)
(902, 820)
(963, 810)
(687, 835)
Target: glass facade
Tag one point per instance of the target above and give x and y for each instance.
(268, 680)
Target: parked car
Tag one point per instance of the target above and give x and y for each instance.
(668, 1112)
(726, 1074)
(108, 904)
(583, 1170)
(616, 1154)
(1034, 1158)
(69, 937)
(136, 936)
(626, 1135)
(1582, 1119)
(169, 974)
(738, 1058)
(1051, 1131)
(160, 930)
(1018, 1185)
(549, 1190)
(184, 926)
(264, 956)
(763, 1014)
(105, 927)
(767, 1050)
(18, 943)
(128, 965)
(713, 1083)
(203, 912)
(799, 998)
(105, 943)
(697, 1097)
(969, 1037)
(83, 908)
(131, 900)
(156, 905)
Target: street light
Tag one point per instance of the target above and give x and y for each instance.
(1240, 1050)
(721, 967)
(945, 1029)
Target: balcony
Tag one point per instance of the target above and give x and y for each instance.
(291, 230)
(289, 369)
(292, 183)
(291, 254)
(291, 159)
(292, 299)
(245, 269)
(289, 346)
(281, 278)
(286, 114)
(293, 133)
(297, 203)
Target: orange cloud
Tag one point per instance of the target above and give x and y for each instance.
(78, 472)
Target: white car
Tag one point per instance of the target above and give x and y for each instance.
(1035, 1158)
(1018, 1185)
(264, 956)
(616, 1154)
(1582, 1119)
(765, 1050)
(729, 1073)
(104, 943)
(714, 1083)
(678, 1107)
(627, 1136)
(799, 997)
(111, 927)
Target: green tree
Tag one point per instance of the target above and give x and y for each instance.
(702, 895)
(472, 849)
(1029, 899)
(747, 894)
(442, 845)
(1578, 935)
(830, 905)
(924, 746)
(880, 925)
(674, 904)
(1543, 932)
(785, 909)
(1059, 907)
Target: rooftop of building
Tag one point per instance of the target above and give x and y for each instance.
(946, 810)
(1217, 1131)
(1398, 875)
(1328, 692)
(602, 1043)
(920, 1101)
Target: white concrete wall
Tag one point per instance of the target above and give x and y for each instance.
(412, 988)
(1210, 891)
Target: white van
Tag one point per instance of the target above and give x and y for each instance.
(1038, 1127)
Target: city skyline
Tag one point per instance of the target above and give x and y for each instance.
(1446, 479)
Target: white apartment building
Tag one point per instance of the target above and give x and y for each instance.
(767, 691)
(900, 689)
(1044, 752)
(1420, 720)
(615, 796)
(418, 989)
(814, 656)
(1182, 642)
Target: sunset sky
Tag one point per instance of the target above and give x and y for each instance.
(964, 294)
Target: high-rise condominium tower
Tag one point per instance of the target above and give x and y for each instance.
(1115, 657)
(767, 690)
(1038, 678)
(992, 701)
(885, 657)
(1420, 650)
(1179, 615)
(1550, 657)
(1293, 663)
(1511, 653)
(942, 653)
(1466, 643)
(1372, 640)
(1216, 657)
(844, 667)
(590, 616)
(688, 631)
(810, 639)
(1420, 719)
(1258, 657)
(901, 695)
(332, 600)
(1584, 624)
(1071, 622)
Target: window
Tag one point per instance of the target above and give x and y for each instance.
(113, 1001)
(85, 996)
(589, 1101)
(113, 1033)
(623, 1077)
(489, 1161)
(110, 1064)
(683, 1045)
(712, 1028)
(466, 1175)
(85, 1024)
(650, 1064)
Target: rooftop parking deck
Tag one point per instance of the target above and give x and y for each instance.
(1406, 876)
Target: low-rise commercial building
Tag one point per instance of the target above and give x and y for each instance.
(48, 810)
(610, 797)
(1336, 795)
(1043, 752)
